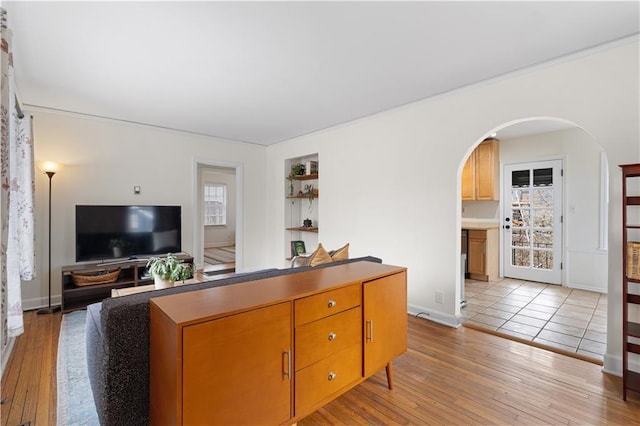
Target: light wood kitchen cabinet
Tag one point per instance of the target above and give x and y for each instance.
(481, 173)
(271, 351)
(385, 329)
(483, 254)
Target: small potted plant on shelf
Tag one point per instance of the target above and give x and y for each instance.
(296, 170)
(167, 270)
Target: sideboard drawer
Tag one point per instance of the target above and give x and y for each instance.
(328, 303)
(324, 378)
(319, 339)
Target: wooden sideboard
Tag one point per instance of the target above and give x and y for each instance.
(272, 351)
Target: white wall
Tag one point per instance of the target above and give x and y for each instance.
(221, 235)
(487, 210)
(585, 264)
(391, 182)
(105, 159)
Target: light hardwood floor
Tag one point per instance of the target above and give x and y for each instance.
(448, 376)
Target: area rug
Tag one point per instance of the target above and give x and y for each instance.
(75, 399)
(218, 255)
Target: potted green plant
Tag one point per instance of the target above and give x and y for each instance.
(296, 170)
(166, 270)
(310, 192)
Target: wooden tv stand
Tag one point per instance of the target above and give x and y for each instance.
(273, 351)
(133, 273)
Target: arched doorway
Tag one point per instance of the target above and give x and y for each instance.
(571, 318)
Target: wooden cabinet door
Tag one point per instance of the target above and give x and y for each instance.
(385, 321)
(487, 169)
(476, 254)
(237, 369)
(469, 178)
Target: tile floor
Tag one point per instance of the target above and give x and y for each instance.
(568, 319)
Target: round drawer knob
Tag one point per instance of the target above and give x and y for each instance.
(332, 336)
(332, 375)
(332, 303)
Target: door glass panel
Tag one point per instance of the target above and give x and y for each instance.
(543, 177)
(520, 197)
(543, 197)
(520, 238)
(520, 178)
(543, 239)
(520, 217)
(543, 259)
(520, 257)
(542, 218)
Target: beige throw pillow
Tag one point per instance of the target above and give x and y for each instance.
(341, 254)
(319, 257)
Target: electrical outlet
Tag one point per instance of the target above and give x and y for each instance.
(439, 296)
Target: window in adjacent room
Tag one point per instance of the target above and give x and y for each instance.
(215, 204)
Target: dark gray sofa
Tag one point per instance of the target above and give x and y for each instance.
(117, 337)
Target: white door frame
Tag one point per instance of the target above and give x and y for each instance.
(198, 234)
(556, 275)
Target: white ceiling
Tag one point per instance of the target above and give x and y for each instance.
(264, 72)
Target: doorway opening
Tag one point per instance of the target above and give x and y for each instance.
(217, 218)
(553, 260)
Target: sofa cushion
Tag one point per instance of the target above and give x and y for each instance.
(341, 254)
(319, 257)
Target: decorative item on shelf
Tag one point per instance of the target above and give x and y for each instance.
(103, 277)
(311, 167)
(49, 168)
(296, 170)
(633, 260)
(307, 223)
(297, 248)
(310, 192)
(167, 270)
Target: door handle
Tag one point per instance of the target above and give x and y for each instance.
(286, 364)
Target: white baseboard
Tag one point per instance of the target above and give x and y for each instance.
(435, 316)
(613, 364)
(6, 353)
(40, 302)
(587, 288)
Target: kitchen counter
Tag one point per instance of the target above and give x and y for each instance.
(480, 225)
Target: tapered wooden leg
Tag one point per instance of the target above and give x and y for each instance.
(389, 376)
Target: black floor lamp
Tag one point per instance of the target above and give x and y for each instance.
(50, 169)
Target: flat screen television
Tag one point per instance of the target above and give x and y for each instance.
(115, 232)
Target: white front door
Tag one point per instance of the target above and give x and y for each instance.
(532, 221)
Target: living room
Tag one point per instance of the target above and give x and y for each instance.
(390, 181)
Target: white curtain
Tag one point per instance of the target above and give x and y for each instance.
(17, 248)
